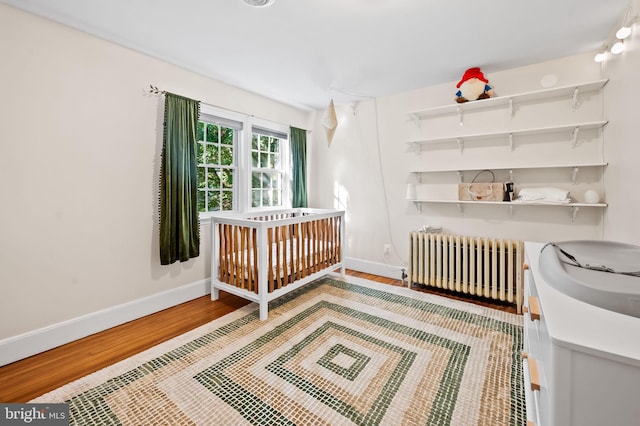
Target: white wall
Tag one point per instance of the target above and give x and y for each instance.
(622, 147)
(80, 143)
(378, 212)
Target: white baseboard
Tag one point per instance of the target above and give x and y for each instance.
(375, 268)
(25, 345)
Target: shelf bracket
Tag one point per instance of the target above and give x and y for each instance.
(510, 175)
(460, 175)
(510, 107)
(574, 99)
(461, 208)
(460, 145)
(575, 133)
(511, 141)
(574, 212)
(416, 119)
(418, 205)
(511, 211)
(459, 110)
(574, 175)
(417, 147)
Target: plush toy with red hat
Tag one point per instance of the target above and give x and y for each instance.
(473, 86)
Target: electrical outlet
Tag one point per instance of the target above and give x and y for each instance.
(387, 249)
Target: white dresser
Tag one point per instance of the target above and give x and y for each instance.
(581, 362)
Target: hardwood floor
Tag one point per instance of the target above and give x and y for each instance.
(29, 378)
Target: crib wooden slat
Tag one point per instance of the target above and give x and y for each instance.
(330, 242)
(269, 249)
(222, 253)
(255, 260)
(304, 234)
(325, 246)
(309, 248)
(243, 254)
(295, 270)
(317, 246)
(248, 265)
(338, 240)
(278, 271)
(320, 244)
(236, 256)
(335, 241)
(228, 254)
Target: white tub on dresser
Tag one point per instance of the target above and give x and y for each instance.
(582, 362)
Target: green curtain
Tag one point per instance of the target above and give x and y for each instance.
(298, 140)
(179, 224)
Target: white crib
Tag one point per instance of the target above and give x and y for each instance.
(261, 257)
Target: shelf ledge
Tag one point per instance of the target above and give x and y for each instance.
(569, 90)
(572, 129)
(574, 207)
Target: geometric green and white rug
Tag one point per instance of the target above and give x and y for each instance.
(331, 353)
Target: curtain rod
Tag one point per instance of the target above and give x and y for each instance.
(154, 90)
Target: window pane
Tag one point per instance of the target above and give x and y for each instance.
(227, 200)
(227, 136)
(274, 161)
(211, 154)
(213, 179)
(255, 198)
(266, 197)
(200, 158)
(200, 131)
(264, 143)
(254, 141)
(265, 180)
(264, 160)
(273, 146)
(275, 197)
(254, 158)
(275, 180)
(226, 177)
(201, 181)
(212, 133)
(255, 180)
(226, 156)
(214, 201)
(201, 201)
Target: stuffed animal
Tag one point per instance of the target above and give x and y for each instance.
(473, 86)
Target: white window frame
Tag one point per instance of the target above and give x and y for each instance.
(243, 163)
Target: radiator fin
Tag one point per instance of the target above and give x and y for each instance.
(485, 267)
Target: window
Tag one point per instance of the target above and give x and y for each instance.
(243, 162)
(267, 168)
(217, 145)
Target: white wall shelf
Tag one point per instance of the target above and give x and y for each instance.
(573, 129)
(575, 168)
(571, 91)
(574, 207)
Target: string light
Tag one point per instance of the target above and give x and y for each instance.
(617, 48)
(623, 33)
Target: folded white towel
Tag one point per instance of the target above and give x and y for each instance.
(545, 194)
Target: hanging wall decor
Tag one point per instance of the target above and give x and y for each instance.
(330, 122)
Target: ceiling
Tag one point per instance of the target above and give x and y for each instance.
(304, 52)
